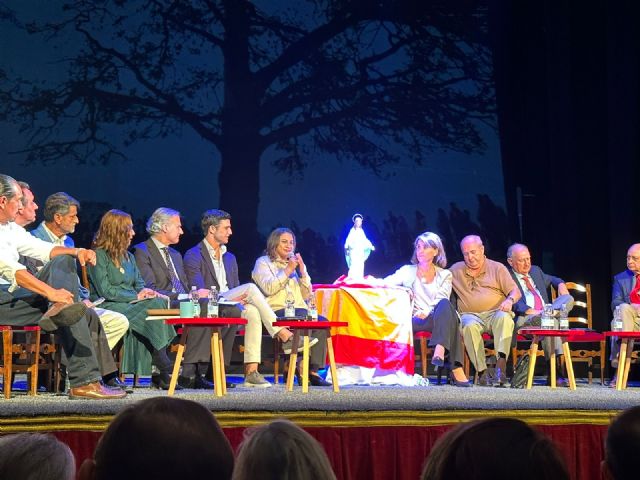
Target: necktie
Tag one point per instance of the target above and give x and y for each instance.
(175, 281)
(537, 305)
(634, 296)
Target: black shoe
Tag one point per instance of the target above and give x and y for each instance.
(458, 383)
(115, 382)
(485, 379)
(437, 361)
(317, 381)
(162, 381)
(501, 371)
(62, 315)
(202, 383)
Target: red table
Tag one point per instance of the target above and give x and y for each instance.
(624, 357)
(217, 354)
(567, 335)
(303, 328)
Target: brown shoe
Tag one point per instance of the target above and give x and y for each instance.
(62, 315)
(95, 391)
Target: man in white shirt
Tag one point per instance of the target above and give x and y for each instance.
(25, 299)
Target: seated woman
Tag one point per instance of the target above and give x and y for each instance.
(116, 278)
(430, 283)
(275, 274)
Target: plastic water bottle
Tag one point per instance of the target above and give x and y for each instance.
(616, 325)
(564, 318)
(212, 306)
(312, 312)
(547, 322)
(289, 302)
(195, 301)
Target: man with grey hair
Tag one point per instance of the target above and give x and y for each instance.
(27, 213)
(486, 294)
(534, 285)
(49, 298)
(60, 220)
(35, 456)
(162, 269)
(210, 264)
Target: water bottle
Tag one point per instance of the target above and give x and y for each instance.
(289, 302)
(547, 322)
(212, 306)
(616, 325)
(195, 301)
(312, 312)
(564, 317)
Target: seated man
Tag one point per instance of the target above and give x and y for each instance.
(626, 295)
(25, 299)
(60, 219)
(210, 264)
(162, 269)
(486, 294)
(533, 284)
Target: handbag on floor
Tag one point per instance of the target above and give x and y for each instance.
(520, 373)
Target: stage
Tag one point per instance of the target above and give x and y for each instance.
(369, 432)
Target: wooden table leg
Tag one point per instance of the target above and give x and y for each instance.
(215, 359)
(178, 361)
(627, 363)
(305, 362)
(7, 349)
(552, 359)
(569, 364)
(622, 357)
(332, 364)
(533, 354)
(293, 359)
(223, 373)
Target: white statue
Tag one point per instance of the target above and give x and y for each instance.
(357, 248)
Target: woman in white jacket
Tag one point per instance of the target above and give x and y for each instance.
(430, 283)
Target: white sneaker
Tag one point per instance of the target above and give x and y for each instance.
(255, 379)
(288, 345)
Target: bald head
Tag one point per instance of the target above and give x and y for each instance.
(472, 251)
(633, 258)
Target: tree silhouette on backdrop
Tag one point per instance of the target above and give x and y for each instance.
(369, 82)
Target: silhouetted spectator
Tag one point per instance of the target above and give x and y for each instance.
(35, 456)
(281, 450)
(494, 449)
(622, 446)
(162, 438)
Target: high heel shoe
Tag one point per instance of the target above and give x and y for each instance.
(458, 383)
(437, 361)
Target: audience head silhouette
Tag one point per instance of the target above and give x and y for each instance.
(494, 449)
(161, 438)
(35, 456)
(622, 445)
(281, 450)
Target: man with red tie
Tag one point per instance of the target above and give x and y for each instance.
(626, 295)
(534, 284)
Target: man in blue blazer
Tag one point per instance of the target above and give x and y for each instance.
(209, 263)
(534, 286)
(626, 295)
(162, 269)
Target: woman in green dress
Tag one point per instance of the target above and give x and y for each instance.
(117, 278)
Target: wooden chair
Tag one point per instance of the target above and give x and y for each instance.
(29, 350)
(581, 317)
(424, 350)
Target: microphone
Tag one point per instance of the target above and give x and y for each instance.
(292, 256)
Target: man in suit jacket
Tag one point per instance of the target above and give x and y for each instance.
(534, 286)
(626, 295)
(162, 269)
(209, 263)
(60, 220)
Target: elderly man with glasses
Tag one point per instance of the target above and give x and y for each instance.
(486, 293)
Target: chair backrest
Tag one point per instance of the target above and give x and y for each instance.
(84, 278)
(581, 314)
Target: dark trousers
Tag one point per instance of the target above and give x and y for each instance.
(317, 353)
(23, 307)
(444, 326)
(197, 353)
